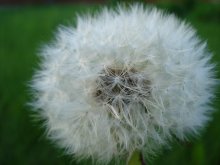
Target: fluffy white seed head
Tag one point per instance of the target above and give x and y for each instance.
(123, 80)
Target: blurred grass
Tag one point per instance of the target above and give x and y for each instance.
(22, 31)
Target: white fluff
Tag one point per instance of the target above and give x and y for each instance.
(161, 49)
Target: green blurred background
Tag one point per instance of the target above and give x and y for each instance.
(24, 28)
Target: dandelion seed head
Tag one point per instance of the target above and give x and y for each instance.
(124, 80)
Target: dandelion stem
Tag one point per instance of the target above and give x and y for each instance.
(136, 159)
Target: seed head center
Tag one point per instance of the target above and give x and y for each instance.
(120, 86)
